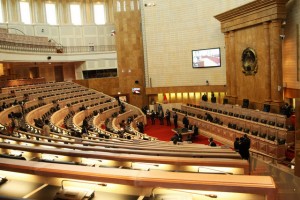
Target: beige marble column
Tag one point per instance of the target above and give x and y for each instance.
(267, 62)
(13, 15)
(64, 13)
(228, 61)
(276, 61)
(38, 15)
(88, 9)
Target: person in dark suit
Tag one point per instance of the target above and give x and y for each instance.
(177, 137)
(85, 125)
(204, 97)
(213, 99)
(236, 144)
(175, 119)
(153, 115)
(196, 131)
(244, 147)
(168, 117)
(161, 117)
(209, 117)
(211, 142)
(185, 122)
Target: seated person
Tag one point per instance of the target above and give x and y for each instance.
(123, 124)
(15, 103)
(209, 117)
(189, 138)
(211, 142)
(4, 106)
(38, 123)
(82, 108)
(140, 126)
(177, 137)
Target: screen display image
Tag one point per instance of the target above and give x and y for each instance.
(203, 58)
(136, 90)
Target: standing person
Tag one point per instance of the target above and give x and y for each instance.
(12, 124)
(185, 122)
(204, 97)
(244, 147)
(46, 129)
(161, 117)
(168, 117)
(175, 119)
(153, 115)
(85, 125)
(159, 108)
(196, 131)
(213, 99)
(237, 144)
(16, 125)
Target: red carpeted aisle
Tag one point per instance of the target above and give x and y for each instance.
(164, 132)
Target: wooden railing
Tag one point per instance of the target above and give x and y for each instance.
(15, 46)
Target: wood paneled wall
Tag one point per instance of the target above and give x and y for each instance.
(46, 70)
(256, 25)
(108, 86)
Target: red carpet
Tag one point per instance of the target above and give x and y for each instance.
(164, 133)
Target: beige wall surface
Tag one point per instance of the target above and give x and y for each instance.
(172, 29)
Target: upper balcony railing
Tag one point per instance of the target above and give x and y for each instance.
(40, 48)
(40, 44)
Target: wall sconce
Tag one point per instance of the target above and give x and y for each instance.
(207, 83)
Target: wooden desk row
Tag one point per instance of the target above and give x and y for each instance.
(32, 149)
(227, 136)
(260, 185)
(268, 130)
(36, 86)
(235, 109)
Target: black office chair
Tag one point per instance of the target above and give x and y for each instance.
(267, 107)
(245, 103)
(225, 101)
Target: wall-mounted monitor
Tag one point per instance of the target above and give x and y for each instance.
(136, 90)
(203, 58)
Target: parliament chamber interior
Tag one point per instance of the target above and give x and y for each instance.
(149, 100)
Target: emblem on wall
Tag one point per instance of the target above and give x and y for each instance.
(249, 61)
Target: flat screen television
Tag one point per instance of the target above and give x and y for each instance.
(136, 90)
(204, 58)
